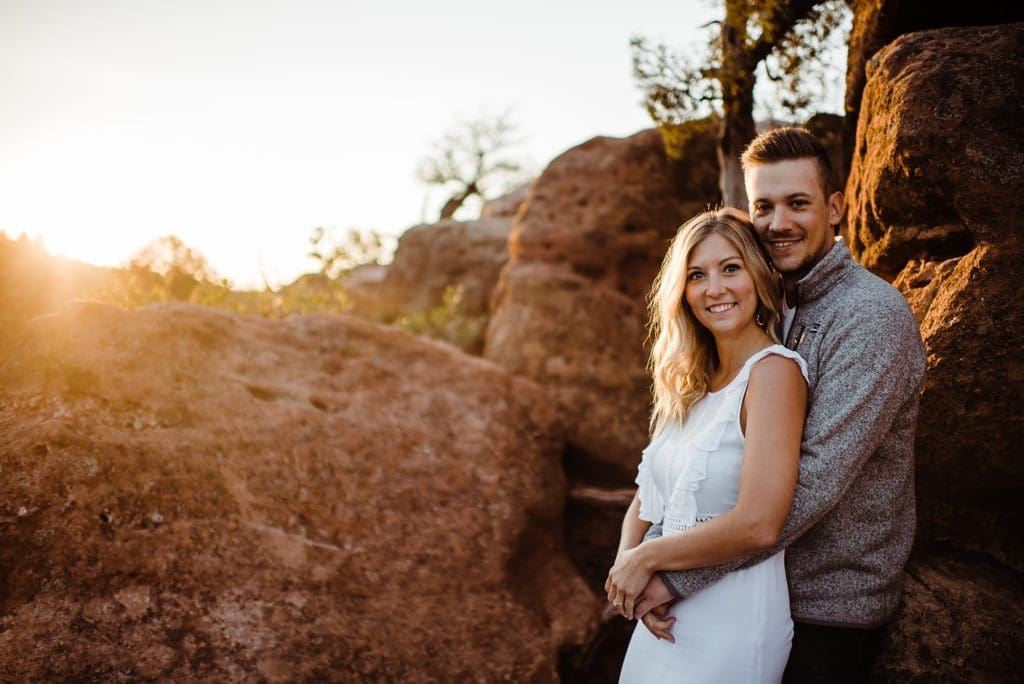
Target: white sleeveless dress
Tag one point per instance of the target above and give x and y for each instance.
(739, 628)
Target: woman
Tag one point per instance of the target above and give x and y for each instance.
(720, 471)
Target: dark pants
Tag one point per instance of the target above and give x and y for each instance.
(832, 654)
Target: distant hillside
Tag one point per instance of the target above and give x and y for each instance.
(34, 282)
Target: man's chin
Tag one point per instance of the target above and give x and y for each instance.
(787, 263)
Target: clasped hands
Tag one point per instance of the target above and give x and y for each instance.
(636, 591)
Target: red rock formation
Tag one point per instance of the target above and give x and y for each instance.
(569, 308)
(938, 175)
(941, 137)
(193, 495)
(506, 206)
(464, 257)
(876, 23)
(430, 258)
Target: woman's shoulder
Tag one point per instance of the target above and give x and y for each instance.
(777, 362)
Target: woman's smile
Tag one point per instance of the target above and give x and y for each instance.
(719, 289)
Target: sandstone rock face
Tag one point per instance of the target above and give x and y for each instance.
(936, 182)
(506, 206)
(938, 166)
(876, 23)
(193, 495)
(429, 258)
(828, 128)
(569, 308)
(444, 271)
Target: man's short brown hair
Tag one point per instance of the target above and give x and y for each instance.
(782, 144)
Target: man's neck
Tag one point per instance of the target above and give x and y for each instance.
(789, 290)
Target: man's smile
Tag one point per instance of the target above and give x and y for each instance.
(783, 244)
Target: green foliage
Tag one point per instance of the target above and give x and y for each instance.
(168, 270)
(788, 37)
(677, 137)
(448, 322)
(803, 74)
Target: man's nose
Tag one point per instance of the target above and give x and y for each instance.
(779, 220)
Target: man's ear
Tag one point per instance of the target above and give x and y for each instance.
(836, 205)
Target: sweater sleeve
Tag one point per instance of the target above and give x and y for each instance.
(871, 366)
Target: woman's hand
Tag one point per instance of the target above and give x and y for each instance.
(627, 579)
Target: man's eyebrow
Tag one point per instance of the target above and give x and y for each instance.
(798, 193)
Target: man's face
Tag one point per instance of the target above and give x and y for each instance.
(792, 214)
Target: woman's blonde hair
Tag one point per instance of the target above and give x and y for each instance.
(684, 355)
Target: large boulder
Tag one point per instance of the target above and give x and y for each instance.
(193, 495)
(464, 254)
(432, 261)
(876, 23)
(938, 165)
(934, 194)
(507, 205)
(441, 279)
(569, 310)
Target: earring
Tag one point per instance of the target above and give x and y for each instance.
(758, 318)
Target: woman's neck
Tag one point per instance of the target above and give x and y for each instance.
(733, 352)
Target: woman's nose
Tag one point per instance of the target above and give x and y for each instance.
(716, 284)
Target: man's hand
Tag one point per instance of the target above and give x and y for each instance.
(658, 622)
(655, 594)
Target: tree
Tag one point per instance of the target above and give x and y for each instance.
(179, 267)
(470, 159)
(783, 37)
(337, 257)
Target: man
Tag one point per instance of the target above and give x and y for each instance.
(852, 523)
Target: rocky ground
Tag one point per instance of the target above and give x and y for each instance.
(188, 494)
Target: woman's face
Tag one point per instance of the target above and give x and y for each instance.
(719, 288)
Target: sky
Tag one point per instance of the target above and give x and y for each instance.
(240, 126)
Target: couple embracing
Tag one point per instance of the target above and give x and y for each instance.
(775, 503)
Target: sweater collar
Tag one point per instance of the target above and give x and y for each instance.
(825, 275)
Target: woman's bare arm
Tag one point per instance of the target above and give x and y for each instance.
(633, 528)
(775, 406)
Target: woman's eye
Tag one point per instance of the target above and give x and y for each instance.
(696, 275)
(731, 268)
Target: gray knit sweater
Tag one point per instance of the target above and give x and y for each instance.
(852, 524)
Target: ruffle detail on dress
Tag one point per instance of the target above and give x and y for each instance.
(652, 506)
(681, 511)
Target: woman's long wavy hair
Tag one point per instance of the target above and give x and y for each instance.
(684, 355)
